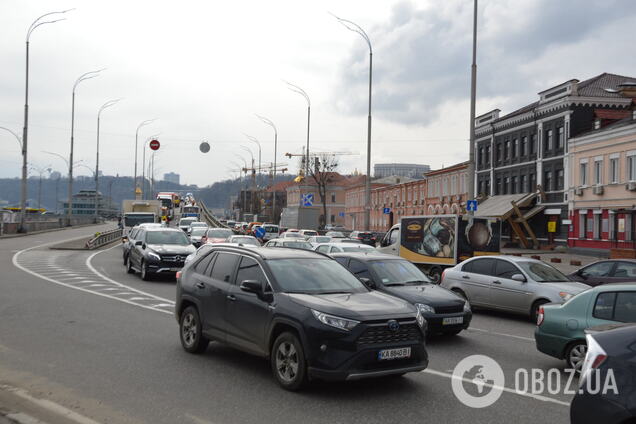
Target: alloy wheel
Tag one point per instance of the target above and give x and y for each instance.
(287, 362)
(577, 356)
(189, 329)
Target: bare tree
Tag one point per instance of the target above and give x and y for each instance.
(322, 170)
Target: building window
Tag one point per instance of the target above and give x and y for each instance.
(498, 152)
(582, 226)
(488, 154)
(333, 197)
(613, 170)
(507, 150)
(498, 187)
(487, 188)
(515, 148)
(596, 229)
(506, 185)
(524, 184)
(524, 146)
(561, 140)
(583, 173)
(549, 141)
(333, 218)
(533, 182)
(547, 183)
(480, 157)
(631, 166)
(559, 179)
(513, 186)
(533, 144)
(598, 172)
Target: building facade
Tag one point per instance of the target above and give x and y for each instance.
(527, 149)
(84, 204)
(411, 170)
(602, 193)
(171, 177)
(355, 196)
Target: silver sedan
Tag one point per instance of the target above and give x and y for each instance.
(510, 283)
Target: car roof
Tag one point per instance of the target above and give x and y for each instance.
(269, 253)
(173, 230)
(510, 258)
(339, 244)
(367, 255)
(615, 286)
(289, 240)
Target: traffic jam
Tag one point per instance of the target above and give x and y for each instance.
(338, 305)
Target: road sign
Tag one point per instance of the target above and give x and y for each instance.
(471, 205)
(308, 199)
(154, 144)
(341, 214)
(259, 232)
(386, 211)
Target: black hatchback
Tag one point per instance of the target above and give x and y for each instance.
(445, 312)
(299, 309)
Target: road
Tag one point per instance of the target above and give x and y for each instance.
(77, 330)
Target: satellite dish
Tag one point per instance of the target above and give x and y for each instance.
(204, 147)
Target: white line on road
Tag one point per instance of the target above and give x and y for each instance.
(529, 339)
(502, 388)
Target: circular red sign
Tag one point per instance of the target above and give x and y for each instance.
(154, 144)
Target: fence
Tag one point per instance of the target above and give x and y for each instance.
(102, 239)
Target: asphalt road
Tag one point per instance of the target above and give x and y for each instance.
(114, 355)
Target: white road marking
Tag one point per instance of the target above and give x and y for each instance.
(529, 339)
(502, 388)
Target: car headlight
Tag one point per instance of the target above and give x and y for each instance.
(334, 321)
(467, 307)
(566, 296)
(422, 308)
(421, 321)
(153, 255)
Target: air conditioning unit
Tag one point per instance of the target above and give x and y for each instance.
(598, 190)
(631, 186)
(578, 191)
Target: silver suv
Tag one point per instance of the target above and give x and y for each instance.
(510, 283)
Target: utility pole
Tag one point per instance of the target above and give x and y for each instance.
(473, 95)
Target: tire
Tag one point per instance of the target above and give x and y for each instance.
(534, 311)
(129, 268)
(288, 362)
(192, 340)
(435, 274)
(125, 259)
(575, 354)
(145, 274)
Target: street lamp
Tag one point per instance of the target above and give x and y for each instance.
(83, 77)
(271, 124)
(302, 92)
(143, 124)
(253, 139)
(473, 94)
(23, 190)
(143, 165)
(40, 170)
(17, 137)
(351, 26)
(99, 113)
(67, 166)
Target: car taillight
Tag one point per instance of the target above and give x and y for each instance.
(594, 357)
(441, 280)
(540, 315)
(178, 275)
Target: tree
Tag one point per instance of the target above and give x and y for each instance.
(322, 170)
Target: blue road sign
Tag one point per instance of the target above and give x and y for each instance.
(308, 199)
(341, 214)
(471, 205)
(386, 211)
(259, 232)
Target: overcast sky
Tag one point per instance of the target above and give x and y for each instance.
(204, 68)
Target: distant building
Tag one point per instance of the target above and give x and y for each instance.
(84, 204)
(411, 170)
(171, 177)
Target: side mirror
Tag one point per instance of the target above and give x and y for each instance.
(518, 277)
(143, 246)
(139, 243)
(124, 239)
(252, 286)
(367, 282)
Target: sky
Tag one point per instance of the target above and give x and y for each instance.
(203, 69)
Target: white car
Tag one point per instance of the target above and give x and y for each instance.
(271, 231)
(288, 235)
(316, 240)
(184, 223)
(343, 247)
(308, 233)
(289, 242)
(244, 240)
(196, 224)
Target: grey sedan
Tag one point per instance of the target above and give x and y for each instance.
(510, 283)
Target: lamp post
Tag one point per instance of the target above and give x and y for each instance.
(302, 92)
(83, 77)
(351, 26)
(271, 124)
(244, 203)
(253, 139)
(25, 129)
(473, 94)
(67, 166)
(40, 171)
(143, 165)
(252, 171)
(142, 124)
(99, 113)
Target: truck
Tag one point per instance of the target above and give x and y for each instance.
(305, 218)
(135, 212)
(169, 201)
(436, 242)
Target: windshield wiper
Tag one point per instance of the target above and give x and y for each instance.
(414, 282)
(394, 284)
(334, 292)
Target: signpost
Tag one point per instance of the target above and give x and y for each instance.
(259, 232)
(471, 206)
(386, 211)
(307, 199)
(154, 144)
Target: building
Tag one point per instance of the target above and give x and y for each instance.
(171, 177)
(602, 193)
(84, 204)
(382, 170)
(446, 190)
(527, 150)
(355, 200)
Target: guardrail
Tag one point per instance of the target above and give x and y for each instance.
(104, 238)
(211, 219)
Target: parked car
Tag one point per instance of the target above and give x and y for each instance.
(300, 310)
(342, 247)
(445, 311)
(271, 231)
(608, 271)
(334, 227)
(316, 240)
(347, 240)
(184, 223)
(510, 283)
(288, 235)
(159, 251)
(366, 237)
(308, 233)
(251, 240)
(197, 234)
(335, 234)
(289, 242)
(560, 328)
(609, 349)
(216, 235)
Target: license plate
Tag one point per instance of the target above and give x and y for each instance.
(387, 354)
(453, 320)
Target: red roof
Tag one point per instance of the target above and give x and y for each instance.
(281, 186)
(611, 114)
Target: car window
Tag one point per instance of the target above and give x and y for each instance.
(313, 276)
(133, 233)
(203, 264)
(505, 269)
(342, 261)
(335, 249)
(250, 270)
(166, 237)
(468, 266)
(625, 307)
(359, 269)
(625, 270)
(601, 269)
(224, 266)
(542, 272)
(397, 271)
(393, 237)
(604, 306)
(483, 266)
(323, 249)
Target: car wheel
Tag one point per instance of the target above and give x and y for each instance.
(129, 267)
(288, 362)
(435, 275)
(575, 355)
(534, 311)
(192, 340)
(145, 275)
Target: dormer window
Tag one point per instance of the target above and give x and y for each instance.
(597, 124)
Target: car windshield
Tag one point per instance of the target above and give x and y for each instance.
(186, 221)
(314, 276)
(245, 240)
(293, 235)
(310, 233)
(542, 273)
(356, 248)
(166, 237)
(219, 233)
(398, 273)
(198, 231)
(321, 239)
(198, 224)
(298, 245)
(270, 228)
(335, 234)
(136, 219)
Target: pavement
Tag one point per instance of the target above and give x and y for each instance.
(79, 332)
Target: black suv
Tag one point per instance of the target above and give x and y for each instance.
(301, 310)
(158, 251)
(445, 312)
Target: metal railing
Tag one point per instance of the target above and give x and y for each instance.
(102, 239)
(209, 218)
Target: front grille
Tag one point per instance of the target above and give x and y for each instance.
(407, 333)
(173, 258)
(449, 309)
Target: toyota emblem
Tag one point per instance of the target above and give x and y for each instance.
(393, 325)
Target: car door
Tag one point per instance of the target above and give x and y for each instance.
(475, 279)
(248, 315)
(610, 307)
(216, 285)
(391, 242)
(136, 252)
(595, 274)
(506, 293)
(623, 272)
